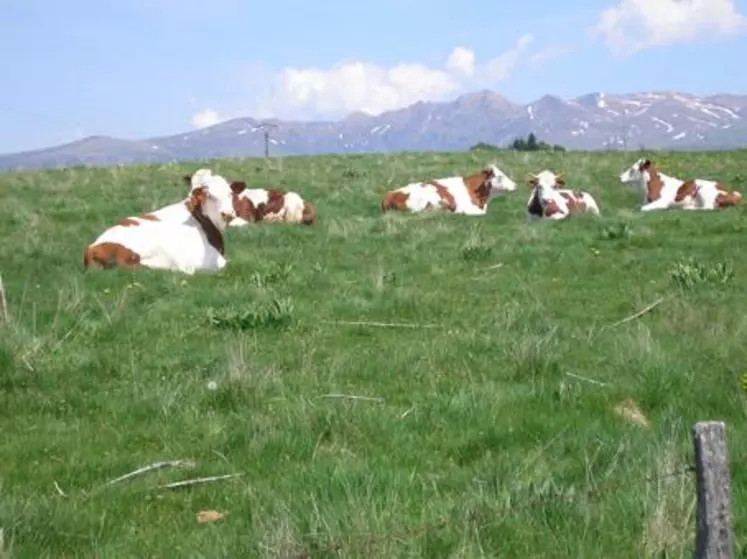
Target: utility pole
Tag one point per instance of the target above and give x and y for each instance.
(266, 126)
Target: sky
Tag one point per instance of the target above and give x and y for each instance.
(142, 68)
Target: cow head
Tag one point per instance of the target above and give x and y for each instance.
(545, 179)
(243, 205)
(212, 196)
(637, 173)
(498, 181)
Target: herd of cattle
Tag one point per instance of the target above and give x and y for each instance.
(187, 236)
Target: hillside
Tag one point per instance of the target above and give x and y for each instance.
(597, 121)
(387, 385)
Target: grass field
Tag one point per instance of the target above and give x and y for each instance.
(506, 398)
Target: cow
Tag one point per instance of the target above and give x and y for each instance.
(167, 242)
(466, 195)
(549, 200)
(259, 204)
(662, 192)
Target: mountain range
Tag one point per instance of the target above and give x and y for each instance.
(596, 121)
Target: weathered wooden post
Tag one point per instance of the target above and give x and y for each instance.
(714, 538)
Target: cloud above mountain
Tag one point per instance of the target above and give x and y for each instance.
(631, 26)
(357, 85)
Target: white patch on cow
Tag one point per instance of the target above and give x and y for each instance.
(421, 196)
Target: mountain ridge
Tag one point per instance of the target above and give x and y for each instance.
(592, 121)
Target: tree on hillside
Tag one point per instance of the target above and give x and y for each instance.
(531, 143)
(484, 146)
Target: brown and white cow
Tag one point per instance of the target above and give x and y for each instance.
(195, 244)
(662, 192)
(466, 195)
(549, 200)
(273, 205)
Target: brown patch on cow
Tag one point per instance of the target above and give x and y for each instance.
(551, 208)
(447, 200)
(725, 198)
(274, 205)
(194, 205)
(244, 208)
(559, 182)
(575, 202)
(394, 200)
(686, 189)
(308, 216)
(654, 184)
(478, 187)
(110, 255)
(150, 217)
(128, 222)
(237, 187)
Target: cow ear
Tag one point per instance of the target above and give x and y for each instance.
(238, 187)
(196, 199)
(187, 179)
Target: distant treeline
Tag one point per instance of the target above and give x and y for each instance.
(530, 143)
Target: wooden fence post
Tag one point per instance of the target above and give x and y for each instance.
(714, 538)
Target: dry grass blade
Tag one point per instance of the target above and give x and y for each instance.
(353, 397)
(586, 379)
(378, 324)
(152, 467)
(197, 481)
(209, 516)
(639, 314)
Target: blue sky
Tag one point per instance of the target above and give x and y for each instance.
(139, 68)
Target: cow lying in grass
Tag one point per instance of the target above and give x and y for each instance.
(467, 195)
(259, 204)
(549, 200)
(185, 239)
(662, 192)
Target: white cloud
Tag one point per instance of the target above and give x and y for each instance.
(363, 86)
(501, 66)
(206, 117)
(550, 53)
(635, 25)
(461, 61)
